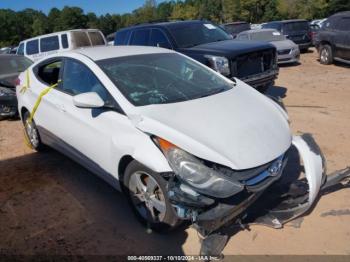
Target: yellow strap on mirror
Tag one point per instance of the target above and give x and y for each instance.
(27, 84)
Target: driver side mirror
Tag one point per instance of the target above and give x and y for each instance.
(88, 100)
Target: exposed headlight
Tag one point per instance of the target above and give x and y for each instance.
(219, 64)
(2, 93)
(192, 171)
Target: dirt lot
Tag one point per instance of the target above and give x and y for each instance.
(51, 205)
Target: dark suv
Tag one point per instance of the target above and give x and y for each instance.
(333, 39)
(297, 30)
(252, 62)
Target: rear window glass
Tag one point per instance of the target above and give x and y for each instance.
(296, 26)
(237, 28)
(80, 39)
(122, 37)
(96, 38)
(49, 43)
(276, 26)
(64, 41)
(140, 37)
(32, 47)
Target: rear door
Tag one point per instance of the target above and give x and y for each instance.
(343, 38)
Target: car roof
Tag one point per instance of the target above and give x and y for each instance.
(104, 52)
(344, 13)
(61, 32)
(236, 23)
(287, 21)
(259, 30)
(166, 24)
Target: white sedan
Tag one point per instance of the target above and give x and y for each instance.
(180, 140)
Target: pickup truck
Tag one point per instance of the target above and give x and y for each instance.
(253, 62)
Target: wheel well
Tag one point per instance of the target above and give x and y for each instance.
(23, 111)
(326, 43)
(123, 163)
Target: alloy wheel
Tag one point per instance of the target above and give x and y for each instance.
(32, 133)
(147, 197)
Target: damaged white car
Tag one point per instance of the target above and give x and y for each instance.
(180, 140)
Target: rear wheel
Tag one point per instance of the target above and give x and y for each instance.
(326, 55)
(147, 194)
(32, 133)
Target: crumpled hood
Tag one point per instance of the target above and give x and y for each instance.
(239, 128)
(285, 44)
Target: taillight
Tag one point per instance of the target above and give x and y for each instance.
(17, 82)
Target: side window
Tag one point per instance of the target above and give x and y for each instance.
(49, 43)
(96, 38)
(159, 39)
(343, 24)
(140, 37)
(80, 39)
(122, 37)
(64, 41)
(32, 47)
(20, 50)
(78, 78)
(49, 73)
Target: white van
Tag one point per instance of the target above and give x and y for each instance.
(41, 46)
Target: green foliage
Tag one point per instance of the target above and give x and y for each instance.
(16, 26)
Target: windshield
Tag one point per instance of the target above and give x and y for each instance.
(295, 26)
(162, 78)
(268, 36)
(13, 64)
(192, 34)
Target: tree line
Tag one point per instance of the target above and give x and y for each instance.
(16, 26)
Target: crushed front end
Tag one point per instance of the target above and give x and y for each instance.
(267, 194)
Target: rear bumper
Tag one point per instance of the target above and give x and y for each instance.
(304, 45)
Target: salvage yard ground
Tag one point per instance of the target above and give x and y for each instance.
(51, 205)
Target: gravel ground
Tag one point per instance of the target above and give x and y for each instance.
(51, 205)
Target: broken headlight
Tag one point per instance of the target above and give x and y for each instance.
(219, 64)
(193, 172)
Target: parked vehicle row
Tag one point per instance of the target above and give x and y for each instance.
(253, 62)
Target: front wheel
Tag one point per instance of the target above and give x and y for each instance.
(326, 55)
(147, 194)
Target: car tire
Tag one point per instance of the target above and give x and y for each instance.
(32, 133)
(146, 193)
(326, 55)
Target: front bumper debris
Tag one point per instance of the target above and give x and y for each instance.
(287, 198)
